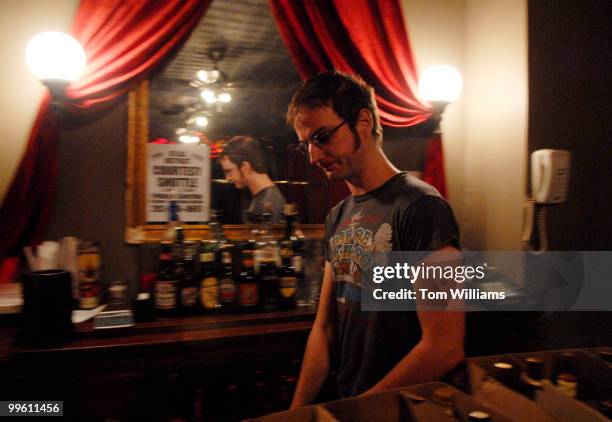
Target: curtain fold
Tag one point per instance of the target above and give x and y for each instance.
(364, 37)
(123, 40)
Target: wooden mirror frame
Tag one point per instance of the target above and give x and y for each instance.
(136, 228)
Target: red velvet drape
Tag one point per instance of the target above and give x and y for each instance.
(123, 41)
(364, 37)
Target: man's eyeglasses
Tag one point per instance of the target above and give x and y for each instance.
(320, 139)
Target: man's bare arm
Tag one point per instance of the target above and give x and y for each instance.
(439, 350)
(315, 366)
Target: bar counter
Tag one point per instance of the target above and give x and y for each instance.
(149, 368)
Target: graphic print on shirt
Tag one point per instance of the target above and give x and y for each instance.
(354, 250)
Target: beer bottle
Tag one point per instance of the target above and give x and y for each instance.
(188, 297)
(266, 250)
(249, 283)
(209, 281)
(532, 378)
(567, 378)
(228, 289)
(287, 284)
(292, 247)
(165, 282)
(506, 373)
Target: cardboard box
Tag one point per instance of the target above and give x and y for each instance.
(461, 402)
(595, 384)
(302, 414)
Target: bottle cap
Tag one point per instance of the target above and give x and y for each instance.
(479, 415)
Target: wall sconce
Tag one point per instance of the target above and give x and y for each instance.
(440, 85)
(56, 59)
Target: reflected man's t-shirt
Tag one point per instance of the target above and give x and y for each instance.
(404, 214)
(270, 200)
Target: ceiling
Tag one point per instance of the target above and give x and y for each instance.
(256, 63)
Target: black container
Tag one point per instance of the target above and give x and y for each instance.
(47, 307)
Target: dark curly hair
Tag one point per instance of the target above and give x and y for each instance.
(245, 148)
(346, 94)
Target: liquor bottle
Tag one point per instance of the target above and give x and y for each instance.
(228, 288)
(216, 230)
(567, 378)
(291, 249)
(188, 285)
(248, 287)
(287, 284)
(267, 251)
(165, 282)
(209, 281)
(173, 222)
(266, 247)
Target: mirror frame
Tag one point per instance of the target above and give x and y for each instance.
(136, 228)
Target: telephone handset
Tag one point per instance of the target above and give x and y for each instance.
(550, 170)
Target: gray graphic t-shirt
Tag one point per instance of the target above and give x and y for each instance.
(406, 214)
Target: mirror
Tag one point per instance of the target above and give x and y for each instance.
(232, 77)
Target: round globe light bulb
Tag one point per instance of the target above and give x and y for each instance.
(55, 56)
(189, 139)
(201, 121)
(202, 75)
(208, 96)
(225, 98)
(441, 83)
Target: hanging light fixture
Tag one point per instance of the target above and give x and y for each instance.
(213, 83)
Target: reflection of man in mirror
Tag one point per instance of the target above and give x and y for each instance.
(336, 119)
(244, 164)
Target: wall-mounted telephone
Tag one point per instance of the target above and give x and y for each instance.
(550, 171)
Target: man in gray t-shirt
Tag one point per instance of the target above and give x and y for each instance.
(336, 119)
(244, 164)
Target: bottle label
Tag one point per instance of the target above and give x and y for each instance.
(165, 294)
(296, 263)
(207, 257)
(209, 293)
(88, 302)
(286, 252)
(89, 276)
(567, 387)
(247, 259)
(288, 286)
(228, 290)
(189, 296)
(227, 258)
(249, 294)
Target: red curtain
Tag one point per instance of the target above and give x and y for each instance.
(123, 40)
(364, 37)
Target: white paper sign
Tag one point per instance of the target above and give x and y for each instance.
(178, 172)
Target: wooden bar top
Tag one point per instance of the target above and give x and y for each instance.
(193, 331)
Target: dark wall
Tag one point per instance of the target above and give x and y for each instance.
(569, 109)
(569, 90)
(90, 197)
